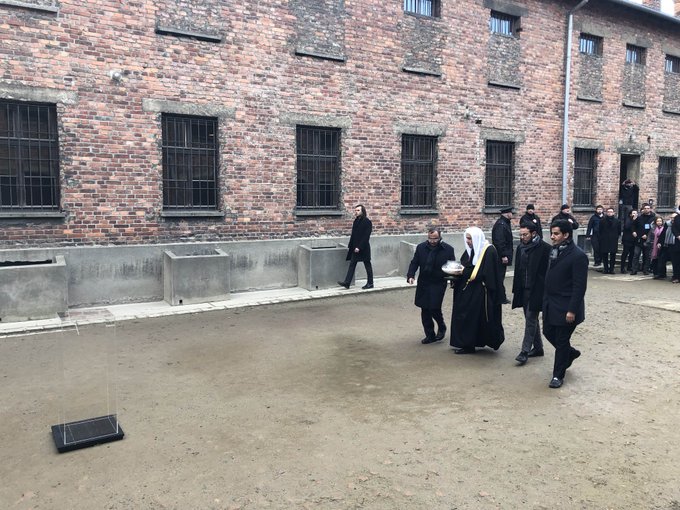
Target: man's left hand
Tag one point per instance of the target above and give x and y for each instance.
(504, 260)
(571, 317)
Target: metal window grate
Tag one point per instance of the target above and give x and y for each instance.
(590, 44)
(422, 7)
(672, 64)
(635, 54)
(318, 167)
(500, 174)
(418, 157)
(190, 162)
(503, 24)
(668, 168)
(585, 165)
(29, 156)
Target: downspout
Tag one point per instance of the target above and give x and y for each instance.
(567, 82)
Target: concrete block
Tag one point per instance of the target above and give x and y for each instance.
(196, 277)
(33, 289)
(406, 251)
(320, 266)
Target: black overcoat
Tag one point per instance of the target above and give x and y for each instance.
(501, 238)
(564, 216)
(627, 238)
(431, 285)
(532, 218)
(675, 228)
(565, 287)
(610, 229)
(361, 233)
(535, 272)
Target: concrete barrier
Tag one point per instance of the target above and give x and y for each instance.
(33, 289)
(196, 277)
(321, 265)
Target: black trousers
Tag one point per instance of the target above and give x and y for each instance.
(627, 257)
(429, 316)
(675, 259)
(352, 267)
(504, 269)
(597, 256)
(662, 261)
(608, 261)
(560, 338)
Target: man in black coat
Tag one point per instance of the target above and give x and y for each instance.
(531, 263)
(610, 230)
(593, 233)
(531, 217)
(563, 301)
(565, 214)
(359, 249)
(675, 250)
(641, 230)
(429, 258)
(501, 238)
(629, 195)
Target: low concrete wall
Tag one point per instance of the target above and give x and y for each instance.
(321, 265)
(36, 291)
(198, 277)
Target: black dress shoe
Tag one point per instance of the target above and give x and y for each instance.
(575, 353)
(535, 353)
(633, 273)
(506, 301)
(464, 351)
(522, 357)
(441, 333)
(367, 286)
(343, 284)
(555, 382)
(429, 340)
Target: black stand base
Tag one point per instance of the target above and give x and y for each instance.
(85, 433)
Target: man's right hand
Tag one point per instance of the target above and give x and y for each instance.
(410, 281)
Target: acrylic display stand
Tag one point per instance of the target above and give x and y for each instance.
(89, 401)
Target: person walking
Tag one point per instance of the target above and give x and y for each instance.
(428, 259)
(531, 217)
(359, 248)
(593, 233)
(643, 225)
(563, 301)
(565, 214)
(528, 284)
(628, 241)
(610, 230)
(501, 238)
(666, 249)
(675, 252)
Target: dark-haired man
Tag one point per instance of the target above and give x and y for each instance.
(501, 238)
(563, 301)
(530, 216)
(593, 233)
(565, 214)
(641, 230)
(359, 248)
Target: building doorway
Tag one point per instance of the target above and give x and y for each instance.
(629, 196)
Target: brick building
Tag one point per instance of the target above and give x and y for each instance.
(132, 122)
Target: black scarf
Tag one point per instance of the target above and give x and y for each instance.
(558, 250)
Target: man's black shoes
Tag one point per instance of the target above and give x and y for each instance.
(535, 353)
(343, 284)
(555, 382)
(430, 340)
(367, 286)
(464, 351)
(441, 333)
(522, 357)
(575, 353)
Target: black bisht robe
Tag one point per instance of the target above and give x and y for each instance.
(476, 320)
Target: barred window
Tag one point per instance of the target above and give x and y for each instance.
(635, 54)
(418, 157)
(590, 44)
(672, 64)
(503, 24)
(29, 156)
(500, 173)
(318, 168)
(585, 165)
(668, 168)
(429, 8)
(190, 165)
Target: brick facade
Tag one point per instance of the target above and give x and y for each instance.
(113, 68)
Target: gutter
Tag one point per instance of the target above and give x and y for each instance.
(567, 80)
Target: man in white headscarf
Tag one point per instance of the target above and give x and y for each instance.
(477, 297)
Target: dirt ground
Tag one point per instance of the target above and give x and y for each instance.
(335, 404)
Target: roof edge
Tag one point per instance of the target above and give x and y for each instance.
(647, 10)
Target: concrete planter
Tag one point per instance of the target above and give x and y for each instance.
(33, 289)
(196, 277)
(406, 252)
(321, 266)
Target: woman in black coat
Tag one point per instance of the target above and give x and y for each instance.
(359, 249)
(628, 241)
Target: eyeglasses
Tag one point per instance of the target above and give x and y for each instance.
(525, 235)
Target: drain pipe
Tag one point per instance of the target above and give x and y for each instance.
(567, 80)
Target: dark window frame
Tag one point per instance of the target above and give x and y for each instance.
(590, 44)
(29, 156)
(667, 178)
(318, 151)
(585, 176)
(427, 8)
(418, 172)
(672, 64)
(499, 174)
(504, 24)
(636, 54)
(190, 162)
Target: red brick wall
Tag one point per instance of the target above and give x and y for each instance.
(110, 146)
